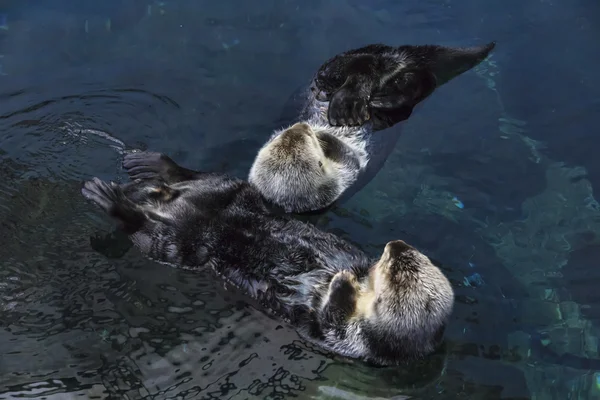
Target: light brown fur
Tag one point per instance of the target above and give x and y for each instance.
(403, 298)
(299, 159)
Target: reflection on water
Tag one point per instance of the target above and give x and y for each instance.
(478, 182)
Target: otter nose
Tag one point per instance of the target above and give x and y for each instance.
(397, 247)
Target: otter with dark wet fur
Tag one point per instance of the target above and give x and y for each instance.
(351, 97)
(385, 311)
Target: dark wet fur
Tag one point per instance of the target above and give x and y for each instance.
(198, 220)
(222, 220)
(351, 81)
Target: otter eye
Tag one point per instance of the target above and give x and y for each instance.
(320, 164)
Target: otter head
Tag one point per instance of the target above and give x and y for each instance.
(407, 302)
(293, 171)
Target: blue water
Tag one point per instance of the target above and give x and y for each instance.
(495, 178)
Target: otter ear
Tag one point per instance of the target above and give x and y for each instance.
(446, 63)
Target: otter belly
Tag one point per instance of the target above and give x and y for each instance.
(380, 145)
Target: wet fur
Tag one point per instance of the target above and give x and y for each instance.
(385, 311)
(352, 96)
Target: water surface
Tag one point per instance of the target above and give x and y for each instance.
(494, 178)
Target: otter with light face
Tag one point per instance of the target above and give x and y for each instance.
(335, 148)
(385, 312)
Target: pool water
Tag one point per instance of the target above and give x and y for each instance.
(494, 178)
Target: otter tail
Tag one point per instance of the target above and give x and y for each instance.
(110, 198)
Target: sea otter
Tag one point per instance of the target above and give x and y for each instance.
(319, 161)
(333, 148)
(385, 311)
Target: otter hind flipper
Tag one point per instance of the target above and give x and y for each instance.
(395, 101)
(152, 165)
(389, 80)
(404, 88)
(111, 199)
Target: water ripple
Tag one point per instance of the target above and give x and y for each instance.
(61, 134)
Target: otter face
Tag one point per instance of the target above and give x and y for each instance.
(293, 171)
(407, 296)
(406, 283)
(398, 311)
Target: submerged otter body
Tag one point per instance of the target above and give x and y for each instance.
(385, 311)
(351, 98)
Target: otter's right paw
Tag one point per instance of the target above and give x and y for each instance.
(344, 283)
(348, 108)
(340, 301)
(147, 165)
(101, 193)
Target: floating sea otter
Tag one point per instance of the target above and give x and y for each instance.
(334, 149)
(385, 311)
(332, 152)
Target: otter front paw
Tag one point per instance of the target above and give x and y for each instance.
(147, 165)
(343, 283)
(340, 302)
(348, 107)
(101, 193)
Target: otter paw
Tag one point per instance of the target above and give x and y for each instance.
(341, 298)
(100, 193)
(344, 281)
(146, 165)
(348, 108)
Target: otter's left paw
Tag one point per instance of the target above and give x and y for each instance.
(348, 108)
(101, 193)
